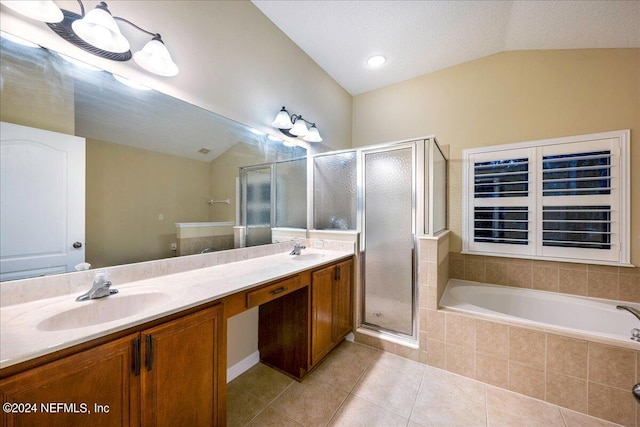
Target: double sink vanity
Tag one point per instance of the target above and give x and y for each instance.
(155, 353)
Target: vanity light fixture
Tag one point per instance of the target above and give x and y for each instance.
(43, 11)
(97, 32)
(296, 126)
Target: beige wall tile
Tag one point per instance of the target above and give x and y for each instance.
(423, 296)
(408, 352)
(568, 392)
(573, 281)
(602, 285)
(546, 278)
(527, 347)
(612, 366)
(576, 419)
(629, 286)
(497, 273)
(432, 298)
(461, 360)
(492, 338)
(520, 275)
(461, 330)
(423, 319)
(612, 404)
(567, 356)
(602, 268)
(422, 338)
(456, 267)
(526, 380)
(436, 351)
(492, 370)
(436, 325)
(423, 272)
(474, 270)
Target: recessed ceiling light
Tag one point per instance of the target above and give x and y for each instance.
(376, 61)
(204, 150)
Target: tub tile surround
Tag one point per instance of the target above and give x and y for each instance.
(588, 280)
(572, 371)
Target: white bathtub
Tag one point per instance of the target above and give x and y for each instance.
(549, 310)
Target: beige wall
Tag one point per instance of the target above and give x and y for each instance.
(511, 97)
(232, 59)
(127, 189)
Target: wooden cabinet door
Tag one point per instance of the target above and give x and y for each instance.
(96, 387)
(321, 313)
(342, 300)
(181, 383)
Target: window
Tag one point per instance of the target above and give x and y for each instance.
(564, 199)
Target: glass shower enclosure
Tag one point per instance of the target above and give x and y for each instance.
(272, 195)
(390, 194)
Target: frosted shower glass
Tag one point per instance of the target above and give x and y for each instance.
(291, 194)
(388, 232)
(334, 192)
(257, 187)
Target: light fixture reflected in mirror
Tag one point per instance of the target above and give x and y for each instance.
(131, 83)
(97, 32)
(296, 126)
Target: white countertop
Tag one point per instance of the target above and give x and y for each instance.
(22, 334)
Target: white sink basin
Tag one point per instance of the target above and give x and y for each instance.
(305, 256)
(103, 310)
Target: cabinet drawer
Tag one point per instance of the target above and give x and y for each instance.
(273, 291)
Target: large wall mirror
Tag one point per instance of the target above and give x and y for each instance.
(151, 160)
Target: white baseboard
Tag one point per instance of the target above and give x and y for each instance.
(242, 366)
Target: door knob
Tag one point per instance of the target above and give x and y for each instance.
(77, 245)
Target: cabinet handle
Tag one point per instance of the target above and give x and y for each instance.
(336, 276)
(149, 359)
(136, 356)
(277, 291)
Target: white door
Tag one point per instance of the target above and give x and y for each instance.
(42, 193)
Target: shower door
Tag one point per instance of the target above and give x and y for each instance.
(257, 193)
(388, 225)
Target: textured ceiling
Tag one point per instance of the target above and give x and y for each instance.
(419, 37)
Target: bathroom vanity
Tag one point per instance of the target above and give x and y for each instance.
(168, 366)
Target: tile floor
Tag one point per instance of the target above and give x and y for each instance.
(361, 386)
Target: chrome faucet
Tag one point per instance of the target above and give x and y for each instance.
(297, 249)
(100, 288)
(635, 332)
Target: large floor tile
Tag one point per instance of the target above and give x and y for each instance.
(312, 402)
(242, 406)
(526, 409)
(448, 409)
(272, 418)
(388, 387)
(263, 382)
(357, 412)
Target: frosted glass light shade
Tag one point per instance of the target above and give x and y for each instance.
(44, 11)
(313, 135)
(99, 29)
(299, 128)
(155, 58)
(282, 120)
